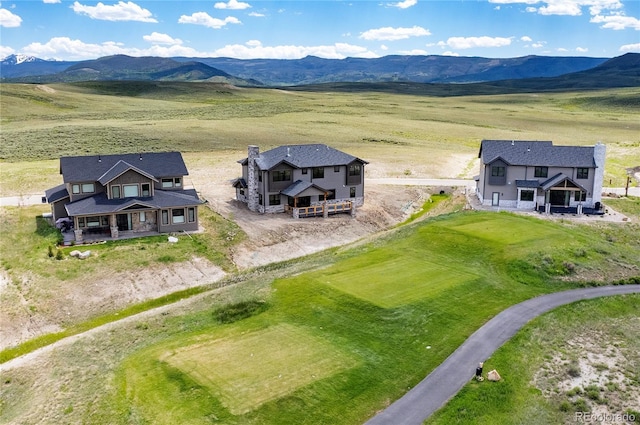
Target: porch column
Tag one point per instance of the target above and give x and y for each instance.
(78, 234)
(353, 209)
(114, 226)
(547, 208)
(325, 210)
(579, 209)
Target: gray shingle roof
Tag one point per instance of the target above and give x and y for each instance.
(304, 156)
(556, 180)
(300, 186)
(91, 168)
(56, 193)
(531, 184)
(120, 168)
(536, 153)
(100, 204)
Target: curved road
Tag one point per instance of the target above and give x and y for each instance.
(459, 368)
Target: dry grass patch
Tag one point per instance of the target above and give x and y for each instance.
(247, 370)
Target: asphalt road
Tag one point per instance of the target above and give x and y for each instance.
(459, 368)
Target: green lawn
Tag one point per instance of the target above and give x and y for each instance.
(371, 340)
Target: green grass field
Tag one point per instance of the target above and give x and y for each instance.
(372, 341)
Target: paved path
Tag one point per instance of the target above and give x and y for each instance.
(459, 368)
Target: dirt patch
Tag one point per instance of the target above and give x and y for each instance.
(81, 299)
(595, 374)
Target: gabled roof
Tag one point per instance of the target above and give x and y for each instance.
(557, 179)
(100, 204)
(304, 156)
(536, 153)
(300, 186)
(56, 193)
(92, 168)
(119, 169)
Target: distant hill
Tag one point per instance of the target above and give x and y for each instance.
(436, 73)
(623, 71)
(122, 67)
(417, 69)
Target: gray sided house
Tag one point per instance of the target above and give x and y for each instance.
(124, 195)
(305, 180)
(536, 175)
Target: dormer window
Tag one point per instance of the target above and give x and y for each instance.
(172, 182)
(130, 190)
(146, 189)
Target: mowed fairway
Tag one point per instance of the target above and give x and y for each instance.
(397, 278)
(246, 370)
(336, 344)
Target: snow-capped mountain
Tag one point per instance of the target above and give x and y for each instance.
(19, 58)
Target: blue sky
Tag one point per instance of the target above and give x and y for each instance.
(79, 30)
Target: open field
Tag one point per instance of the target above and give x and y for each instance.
(384, 311)
(382, 351)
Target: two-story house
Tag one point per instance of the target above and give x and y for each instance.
(538, 175)
(306, 180)
(114, 195)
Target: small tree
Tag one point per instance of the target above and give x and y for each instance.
(59, 255)
(50, 251)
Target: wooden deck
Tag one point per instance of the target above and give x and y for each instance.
(319, 210)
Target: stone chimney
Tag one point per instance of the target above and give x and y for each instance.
(599, 153)
(252, 177)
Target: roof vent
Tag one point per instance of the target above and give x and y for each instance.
(513, 142)
(140, 157)
(288, 151)
(99, 158)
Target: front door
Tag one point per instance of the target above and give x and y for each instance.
(560, 198)
(495, 199)
(124, 222)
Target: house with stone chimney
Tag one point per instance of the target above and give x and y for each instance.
(536, 175)
(303, 180)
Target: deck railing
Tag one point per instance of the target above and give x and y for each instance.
(319, 210)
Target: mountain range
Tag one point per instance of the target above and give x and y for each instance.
(622, 71)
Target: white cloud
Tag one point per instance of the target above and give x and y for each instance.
(630, 48)
(6, 51)
(413, 52)
(538, 45)
(257, 15)
(9, 20)
(582, 49)
(51, 1)
(203, 18)
(255, 50)
(64, 48)
(391, 34)
(617, 22)
(450, 54)
(233, 5)
(118, 12)
(526, 39)
(471, 42)
(158, 38)
(404, 4)
(383, 47)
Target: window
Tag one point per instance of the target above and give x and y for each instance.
(318, 173)
(177, 216)
(115, 192)
(304, 171)
(581, 196)
(93, 221)
(541, 172)
(583, 173)
(497, 171)
(355, 169)
(274, 199)
(130, 190)
(336, 168)
(352, 192)
(146, 189)
(192, 214)
(166, 183)
(88, 188)
(81, 222)
(143, 217)
(331, 194)
(260, 199)
(526, 195)
(282, 176)
(178, 182)
(165, 217)
(75, 189)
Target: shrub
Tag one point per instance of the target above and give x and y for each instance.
(50, 251)
(242, 310)
(59, 255)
